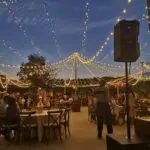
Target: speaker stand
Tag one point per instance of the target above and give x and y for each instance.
(127, 102)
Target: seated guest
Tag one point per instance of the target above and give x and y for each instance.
(65, 97)
(12, 116)
(2, 107)
(47, 101)
(12, 112)
(22, 101)
(40, 103)
(29, 102)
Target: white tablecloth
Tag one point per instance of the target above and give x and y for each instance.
(144, 118)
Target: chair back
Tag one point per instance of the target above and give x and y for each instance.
(66, 115)
(2, 120)
(27, 118)
(54, 117)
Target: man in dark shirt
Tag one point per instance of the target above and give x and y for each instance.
(103, 111)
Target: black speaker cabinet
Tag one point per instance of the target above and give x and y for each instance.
(126, 46)
(119, 142)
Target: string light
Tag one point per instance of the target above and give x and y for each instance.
(77, 56)
(18, 24)
(9, 81)
(105, 57)
(129, 1)
(105, 43)
(118, 19)
(146, 7)
(13, 50)
(71, 76)
(87, 9)
(51, 26)
(93, 75)
(124, 11)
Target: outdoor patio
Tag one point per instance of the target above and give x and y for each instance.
(83, 136)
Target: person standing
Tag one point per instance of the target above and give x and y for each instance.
(103, 112)
(132, 105)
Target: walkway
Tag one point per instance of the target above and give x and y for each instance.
(84, 137)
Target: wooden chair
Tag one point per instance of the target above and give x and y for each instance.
(54, 118)
(6, 129)
(2, 121)
(27, 125)
(65, 121)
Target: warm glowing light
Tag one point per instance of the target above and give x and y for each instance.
(111, 33)
(124, 11)
(102, 47)
(118, 19)
(97, 54)
(129, 1)
(108, 39)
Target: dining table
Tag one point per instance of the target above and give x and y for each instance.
(39, 118)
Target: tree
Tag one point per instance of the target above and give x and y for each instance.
(36, 72)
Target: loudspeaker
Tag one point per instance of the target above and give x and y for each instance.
(148, 12)
(126, 46)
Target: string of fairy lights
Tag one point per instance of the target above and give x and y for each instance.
(67, 83)
(86, 21)
(51, 26)
(102, 47)
(85, 61)
(13, 50)
(5, 81)
(107, 39)
(144, 17)
(18, 24)
(89, 70)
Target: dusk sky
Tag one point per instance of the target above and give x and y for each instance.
(64, 34)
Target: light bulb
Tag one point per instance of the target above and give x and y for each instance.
(129, 1)
(124, 11)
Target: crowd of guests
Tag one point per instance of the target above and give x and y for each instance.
(28, 101)
(99, 103)
(13, 103)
